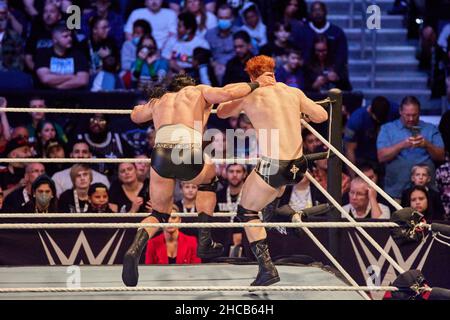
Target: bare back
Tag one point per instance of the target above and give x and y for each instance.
(186, 106)
(276, 107)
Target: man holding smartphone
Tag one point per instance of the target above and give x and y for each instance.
(406, 142)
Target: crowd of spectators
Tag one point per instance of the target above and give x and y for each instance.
(429, 22)
(137, 47)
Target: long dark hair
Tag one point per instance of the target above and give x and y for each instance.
(320, 39)
(427, 212)
(301, 14)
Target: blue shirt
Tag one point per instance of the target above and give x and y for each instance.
(398, 170)
(361, 128)
(294, 79)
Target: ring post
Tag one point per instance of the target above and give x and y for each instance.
(334, 172)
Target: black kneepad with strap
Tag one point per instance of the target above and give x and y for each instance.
(245, 215)
(162, 217)
(209, 187)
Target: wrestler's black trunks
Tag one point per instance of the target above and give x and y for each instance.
(183, 161)
(279, 173)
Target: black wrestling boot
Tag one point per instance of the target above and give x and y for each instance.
(130, 273)
(267, 273)
(207, 248)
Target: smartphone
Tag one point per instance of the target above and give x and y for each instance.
(415, 130)
(145, 51)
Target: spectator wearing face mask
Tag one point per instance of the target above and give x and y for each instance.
(128, 51)
(220, 40)
(99, 199)
(148, 68)
(44, 198)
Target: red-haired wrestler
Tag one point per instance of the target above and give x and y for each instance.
(275, 112)
(172, 247)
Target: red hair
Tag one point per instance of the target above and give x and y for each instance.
(256, 66)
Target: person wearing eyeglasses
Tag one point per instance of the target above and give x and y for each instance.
(363, 202)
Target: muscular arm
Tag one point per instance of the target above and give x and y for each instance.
(81, 79)
(51, 79)
(350, 148)
(230, 109)
(228, 93)
(376, 210)
(29, 7)
(144, 112)
(316, 113)
(389, 153)
(436, 153)
(29, 61)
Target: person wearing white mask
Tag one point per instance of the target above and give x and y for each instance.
(220, 40)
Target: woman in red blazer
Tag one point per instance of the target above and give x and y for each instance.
(172, 247)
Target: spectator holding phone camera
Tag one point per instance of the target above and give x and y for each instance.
(149, 66)
(406, 142)
(323, 73)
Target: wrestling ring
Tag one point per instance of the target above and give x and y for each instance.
(205, 281)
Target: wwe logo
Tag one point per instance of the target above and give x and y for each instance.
(372, 268)
(54, 250)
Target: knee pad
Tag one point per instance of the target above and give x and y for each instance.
(209, 187)
(245, 215)
(162, 217)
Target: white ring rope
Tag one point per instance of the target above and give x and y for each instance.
(350, 218)
(105, 215)
(215, 225)
(92, 110)
(435, 237)
(352, 166)
(117, 160)
(442, 235)
(67, 110)
(334, 261)
(199, 288)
